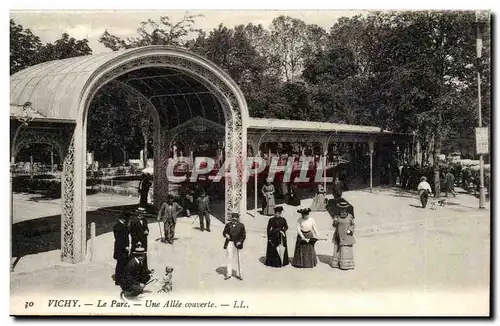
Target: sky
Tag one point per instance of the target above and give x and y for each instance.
(50, 25)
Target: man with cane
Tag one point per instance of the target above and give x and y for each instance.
(235, 235)
(169, 211)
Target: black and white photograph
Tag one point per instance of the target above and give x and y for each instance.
(250, 162)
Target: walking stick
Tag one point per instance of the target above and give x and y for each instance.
(239, 268)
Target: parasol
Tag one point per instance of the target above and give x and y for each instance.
(281, 248)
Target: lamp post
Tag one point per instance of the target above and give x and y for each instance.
(478, 30)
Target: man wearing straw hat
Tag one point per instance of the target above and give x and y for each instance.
(235, 235)
(121, 247)
(136, 274)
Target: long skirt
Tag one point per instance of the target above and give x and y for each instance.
(269, 206)
(343, 257)
(273, 258)
(304, 255)
(169, 228)
(318, 204)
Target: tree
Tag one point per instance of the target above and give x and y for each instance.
(65, 47)
(288, 39)
(423, 72)
(24, 47)
(152, 33)
(112, 125)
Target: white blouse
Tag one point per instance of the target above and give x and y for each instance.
(306, 225)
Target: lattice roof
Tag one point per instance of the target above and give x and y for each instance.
(54, 87)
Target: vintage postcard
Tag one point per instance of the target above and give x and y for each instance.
(250, 163)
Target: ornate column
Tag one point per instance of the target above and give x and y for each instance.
(73, 191)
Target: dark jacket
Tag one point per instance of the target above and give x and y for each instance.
(450, 180)
(138, 232)
(134, 274)
(122, 241)
(203, 204)
(236, 232)
(144, 186)
(337, 189)
(169, 213)
(275, 226)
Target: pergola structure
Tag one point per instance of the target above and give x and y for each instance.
(176, 85)
(187, 95)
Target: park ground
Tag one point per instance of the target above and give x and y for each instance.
(400, 248)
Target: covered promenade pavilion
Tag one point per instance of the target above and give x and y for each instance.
(182, 91)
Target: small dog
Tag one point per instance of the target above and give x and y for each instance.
(441, 202)
(167, 280)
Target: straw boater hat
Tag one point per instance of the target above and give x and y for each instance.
(141, 210)
(278, 209)
(139, 250)
(342, 205)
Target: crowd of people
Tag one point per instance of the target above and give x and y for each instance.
(131, 232)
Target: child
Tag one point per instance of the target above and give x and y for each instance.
(167, 280)
(424, 190)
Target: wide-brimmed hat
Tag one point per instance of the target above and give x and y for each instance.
(342, 204)
(304, 211)
(278, 209)
(141, 210)
(139, 250)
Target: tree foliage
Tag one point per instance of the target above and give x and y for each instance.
(403, 71)
(26, 49)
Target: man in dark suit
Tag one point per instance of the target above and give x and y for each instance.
(337, 189)
(122, 246)
(139, 231)
(136, 274)
(144, 187)
(203, 206)
(235, 235)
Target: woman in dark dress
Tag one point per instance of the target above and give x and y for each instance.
(277, 249)
(293, 198)
(307, 234)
